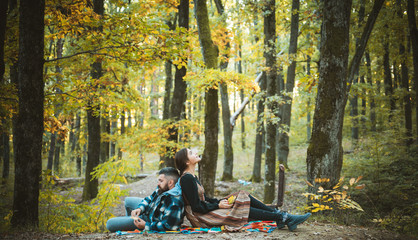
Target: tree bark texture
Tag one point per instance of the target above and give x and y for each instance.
(388, 79)
(271, 74)
(371, 93)
(210, 56)
(286, 113)
(29, 124)
(260, 132)
(325, 153)
(414, 39)
(226, 113)
(179, 93)
(91, 185)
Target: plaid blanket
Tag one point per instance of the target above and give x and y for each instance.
(254, 226)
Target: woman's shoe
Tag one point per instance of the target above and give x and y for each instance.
(292, 221)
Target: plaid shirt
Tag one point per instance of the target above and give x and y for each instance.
(163, 212)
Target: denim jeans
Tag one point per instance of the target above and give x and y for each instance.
(125, 223)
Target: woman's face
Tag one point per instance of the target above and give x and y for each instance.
(193, 157)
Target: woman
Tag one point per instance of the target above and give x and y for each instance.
(205, 212)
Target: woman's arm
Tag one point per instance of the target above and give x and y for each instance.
(189, 188)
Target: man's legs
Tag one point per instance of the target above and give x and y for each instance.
(131, 203)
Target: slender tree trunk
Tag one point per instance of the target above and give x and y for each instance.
(113, 132)
(91, 185)
(28, 162)
(260, 132)
(180, 87)
(243, 134)
(308, 105)
(210, 53)
(371, 93)
(122, 131)
(226, 113)
(388, 79)
(104, 145)
(414, 39)
(290, 84)
(4, 128)
(324, 154)
(51, 152)
(270, 56)
(77, 143)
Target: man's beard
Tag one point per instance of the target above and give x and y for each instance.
(161, 190)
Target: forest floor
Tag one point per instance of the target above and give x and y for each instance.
(312, 229)
(316, 227)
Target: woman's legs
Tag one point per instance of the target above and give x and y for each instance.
(120, 224)
(264, 215)
(257, 204)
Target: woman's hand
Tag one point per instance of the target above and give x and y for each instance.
(224, 204)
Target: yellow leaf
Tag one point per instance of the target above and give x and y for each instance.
(352, 180)
(124, 179)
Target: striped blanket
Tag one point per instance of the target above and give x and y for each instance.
(254, 226)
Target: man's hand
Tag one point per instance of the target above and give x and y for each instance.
(224, 204)
(139, 223)
(135, 213)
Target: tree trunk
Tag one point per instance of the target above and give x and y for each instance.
(324, 154)
(4, 128)
(414, 39)
(226, 113)
(104, 128)
(180, 87)
(167, 92)
(308, 105)
(122, 132)
(51, 152)
(113, 132)
(290, 84)
(208, 163)
(371, 93)
(28, 161)
(91, 185)
(388, 79)
(77, 143)
(271, 74)
(260, 132)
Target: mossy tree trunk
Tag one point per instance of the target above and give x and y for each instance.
(210, 53)
(271, 74)
(324, 155)
(30, 120)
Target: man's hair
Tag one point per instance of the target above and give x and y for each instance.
(170, 172)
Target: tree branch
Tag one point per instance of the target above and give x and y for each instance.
(355, 62)
(244, 103)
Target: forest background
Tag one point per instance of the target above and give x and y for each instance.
(101, 90)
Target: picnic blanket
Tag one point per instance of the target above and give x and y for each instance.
(254, 226)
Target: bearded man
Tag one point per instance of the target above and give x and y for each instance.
(161, 211)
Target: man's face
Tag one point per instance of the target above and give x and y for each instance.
(163, 183)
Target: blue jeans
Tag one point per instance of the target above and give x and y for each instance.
(125, 223)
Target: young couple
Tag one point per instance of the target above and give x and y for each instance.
(163, 210)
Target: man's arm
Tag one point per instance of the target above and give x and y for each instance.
(143, 205)
(171, 218)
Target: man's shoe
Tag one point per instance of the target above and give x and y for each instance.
(292, 221)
